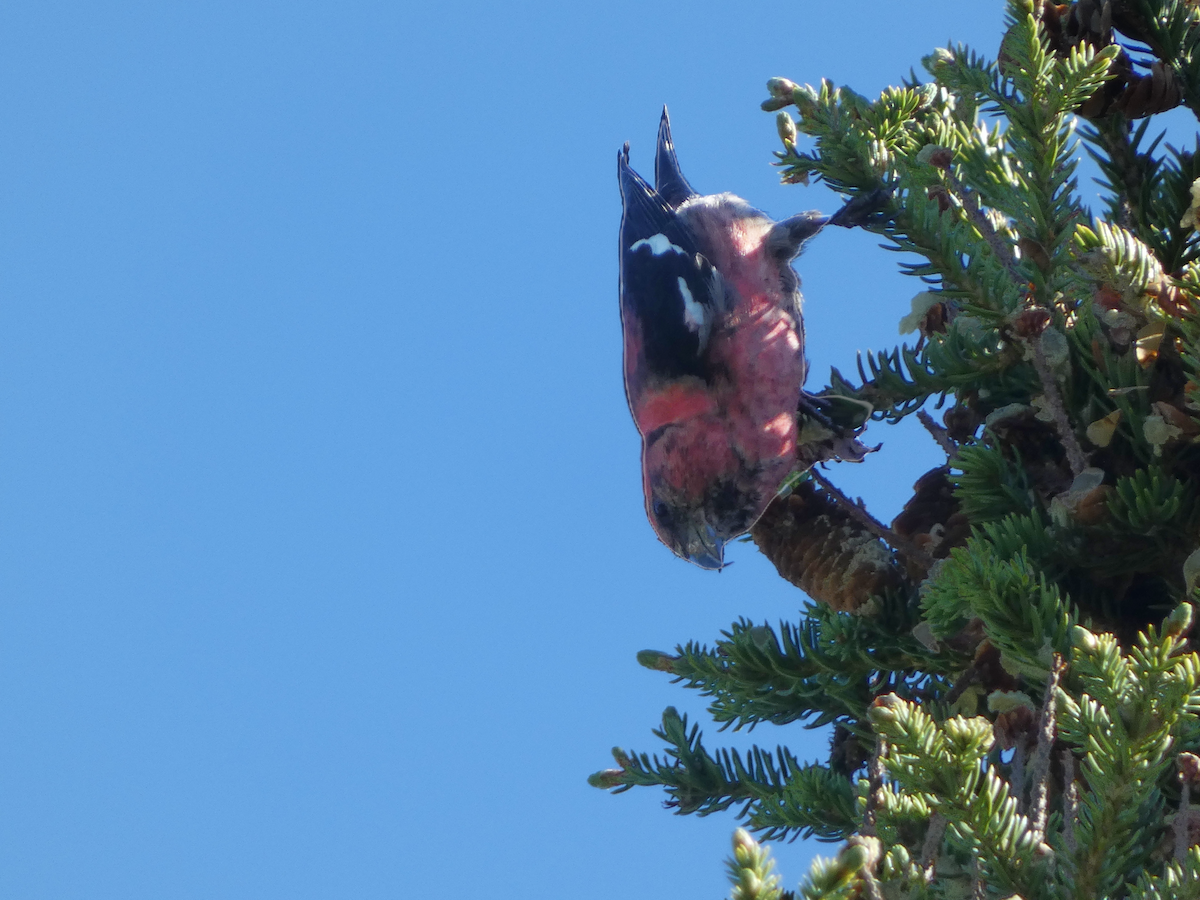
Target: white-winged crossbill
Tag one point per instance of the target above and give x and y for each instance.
(714, 352)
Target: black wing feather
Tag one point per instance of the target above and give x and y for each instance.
(673, 337)
(672, 344)
(668, 178)
(645, 213)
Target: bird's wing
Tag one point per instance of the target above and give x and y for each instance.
(671, 296)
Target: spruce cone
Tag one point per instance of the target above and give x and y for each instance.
(931, 518)
(1146, 95)
(821, 549)
(1068, 25)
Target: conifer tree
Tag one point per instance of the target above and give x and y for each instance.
(1009, 667)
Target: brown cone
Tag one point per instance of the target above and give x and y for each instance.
(821, 549)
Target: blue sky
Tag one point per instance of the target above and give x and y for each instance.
(323, 558)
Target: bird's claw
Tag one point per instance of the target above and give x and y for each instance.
(862, 209)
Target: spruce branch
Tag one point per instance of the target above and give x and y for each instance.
(1189, 774)
(1125, 709)
(751, 870)
(1070, 801)
(875, 773)
(978, 882)
(939, 434)
(1182, 825)
(839, 878)
(1131, 171)
(1058, 413)
(945, 763)
(1019, 769)
(775, 793)
(871, 885)
(932, 845)
(1023, 613)
(824, 670)
(857, 510)
(1041, 756)
(970, 204)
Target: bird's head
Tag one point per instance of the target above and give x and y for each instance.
(699, 495)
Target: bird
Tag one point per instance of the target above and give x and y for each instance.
(713, 339)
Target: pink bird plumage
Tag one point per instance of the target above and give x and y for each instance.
(714, 352)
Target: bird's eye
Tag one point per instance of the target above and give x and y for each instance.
(661, 510)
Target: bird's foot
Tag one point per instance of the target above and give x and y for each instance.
(865, 209)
